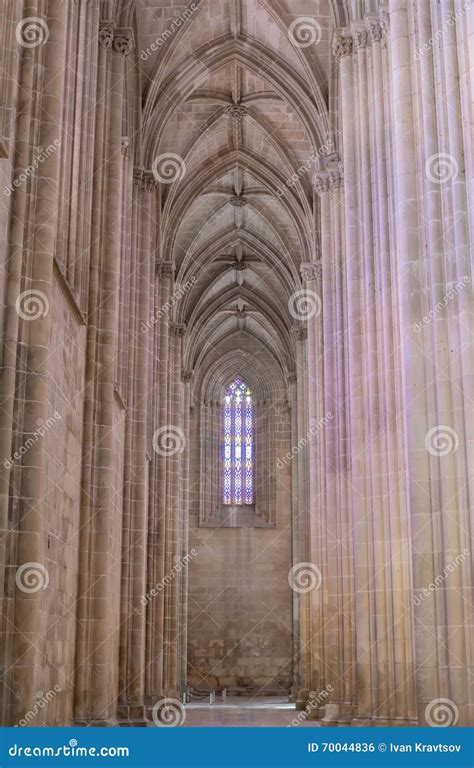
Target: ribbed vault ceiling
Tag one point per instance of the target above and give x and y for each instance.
(235, 102)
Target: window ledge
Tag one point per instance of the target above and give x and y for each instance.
(233, 516)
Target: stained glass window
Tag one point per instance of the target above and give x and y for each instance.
(238, 444)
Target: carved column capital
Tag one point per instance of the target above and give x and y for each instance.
(342, 44)
(359, 36)
(167, 269)
(187, 376)
(106, 34)
(299, 332)
(178, 330)
(322, 182)
(123, 41)
(374, 29)
(311, 270)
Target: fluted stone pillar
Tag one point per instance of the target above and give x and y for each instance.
(311, 273)
(136, 491)
(101, 520)
(29, 616)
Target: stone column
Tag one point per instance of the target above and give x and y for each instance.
(101, 520)
(135, 530)
(158, 498)
(311, 273)
(29, 616)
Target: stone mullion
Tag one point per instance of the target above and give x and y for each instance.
(97, 589)
(29, 616)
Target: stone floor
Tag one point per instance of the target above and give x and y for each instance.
(239, 711)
